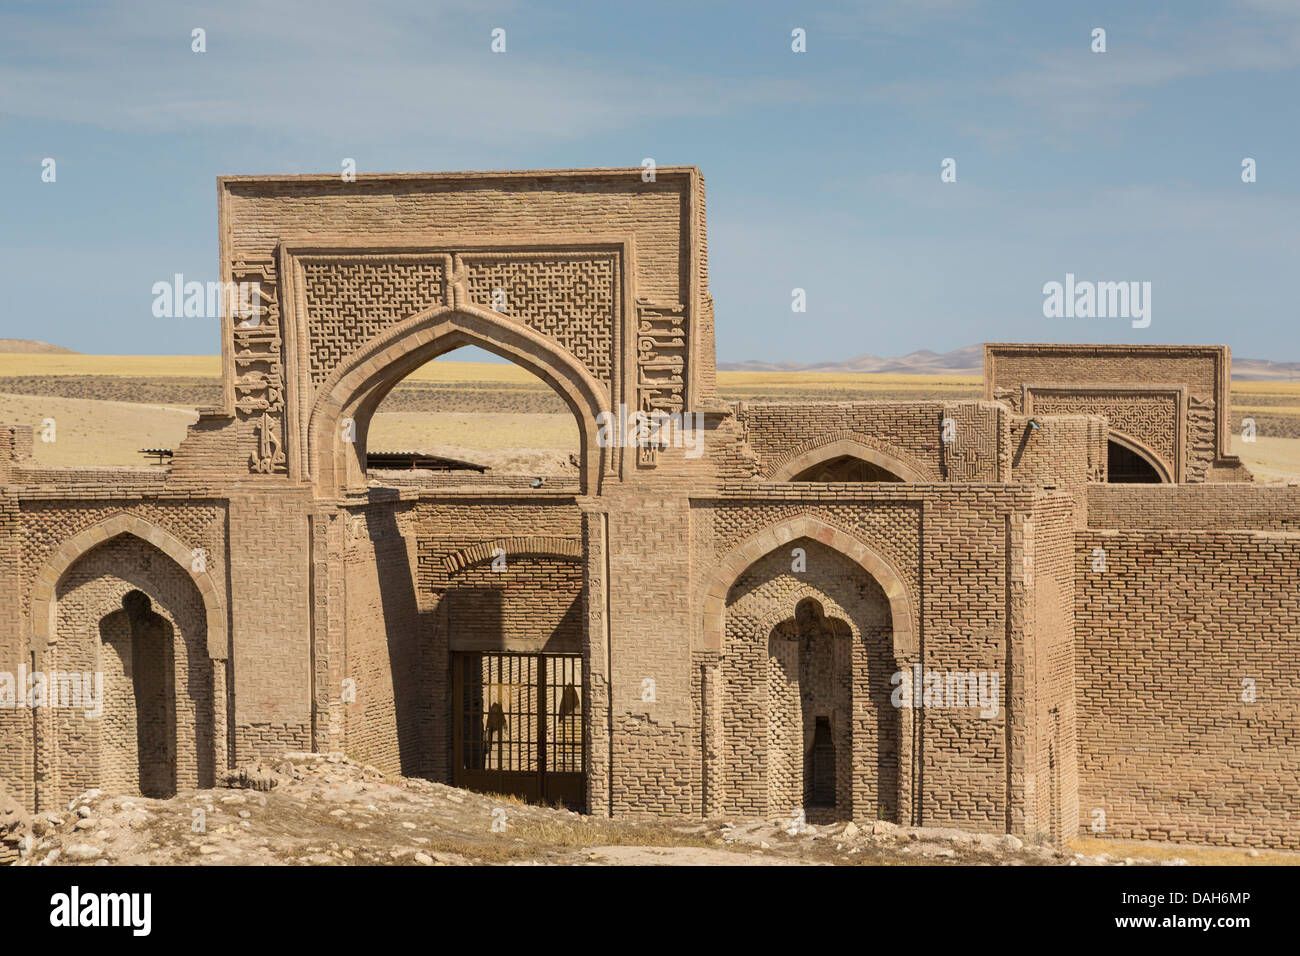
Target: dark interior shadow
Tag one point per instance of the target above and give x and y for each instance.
(415, 685)
(152, 655)
(880, 670)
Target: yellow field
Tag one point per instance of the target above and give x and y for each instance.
(102, 430)
(510, 443)
(209, 366)
(1270, 459)
(803, 381)
(135, 366)
(90, 432)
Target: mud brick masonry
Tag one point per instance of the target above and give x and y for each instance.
(659, 633)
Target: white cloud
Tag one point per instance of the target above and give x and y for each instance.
(355, 70)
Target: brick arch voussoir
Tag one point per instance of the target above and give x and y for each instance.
(70, 551)
(549, 546)
(1144, 451)
(830, 445)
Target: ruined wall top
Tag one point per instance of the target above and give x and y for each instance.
(1170, 403)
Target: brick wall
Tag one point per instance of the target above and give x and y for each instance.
(270, 550)
(1051, 760)
(1210, 507)
(781, 432)
(1168, 749)
(1065, 451)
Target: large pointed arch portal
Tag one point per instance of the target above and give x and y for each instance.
(340, 414)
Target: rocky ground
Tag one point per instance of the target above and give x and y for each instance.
(322, 809)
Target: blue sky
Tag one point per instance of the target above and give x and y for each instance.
(822, 167)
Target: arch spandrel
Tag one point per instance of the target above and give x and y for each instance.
(816, 452)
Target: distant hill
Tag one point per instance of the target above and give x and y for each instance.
(28, 347)
(1259, 370)
(967, 361)
(970, 361)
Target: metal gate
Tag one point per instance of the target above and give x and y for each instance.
(518, 725)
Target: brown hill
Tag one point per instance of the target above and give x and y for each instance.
(970, 361)
(966, 361)
(29, 347)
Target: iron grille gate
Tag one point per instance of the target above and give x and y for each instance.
(518, 725)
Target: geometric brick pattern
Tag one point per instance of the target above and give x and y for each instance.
(572, 299)
(1151, 418)
(351, 302)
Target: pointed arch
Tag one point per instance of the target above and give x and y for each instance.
(357, 387)
(904, 471)
(67, 554)
(1145, 453)
(731, 567)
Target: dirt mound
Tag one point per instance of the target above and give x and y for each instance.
(324, 809)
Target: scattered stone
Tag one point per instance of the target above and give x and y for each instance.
(257, 777)
(14, 825)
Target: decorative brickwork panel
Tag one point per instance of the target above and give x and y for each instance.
(909, 432)
(662, 347)
(892, 528)
(1150, 417)
(156, 731)
(973, 452)
(805, 649)
(350, 301)
(1200, 438)
(1128, 384)
(258, 352)
(571, 298)
(47, 524)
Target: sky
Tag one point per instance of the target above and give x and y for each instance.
(823, 167)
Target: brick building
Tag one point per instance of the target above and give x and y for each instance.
(1011, 615)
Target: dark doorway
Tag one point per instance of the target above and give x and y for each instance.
(1125, 466)
(845, 468)
(143, 643)
(819, 767)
